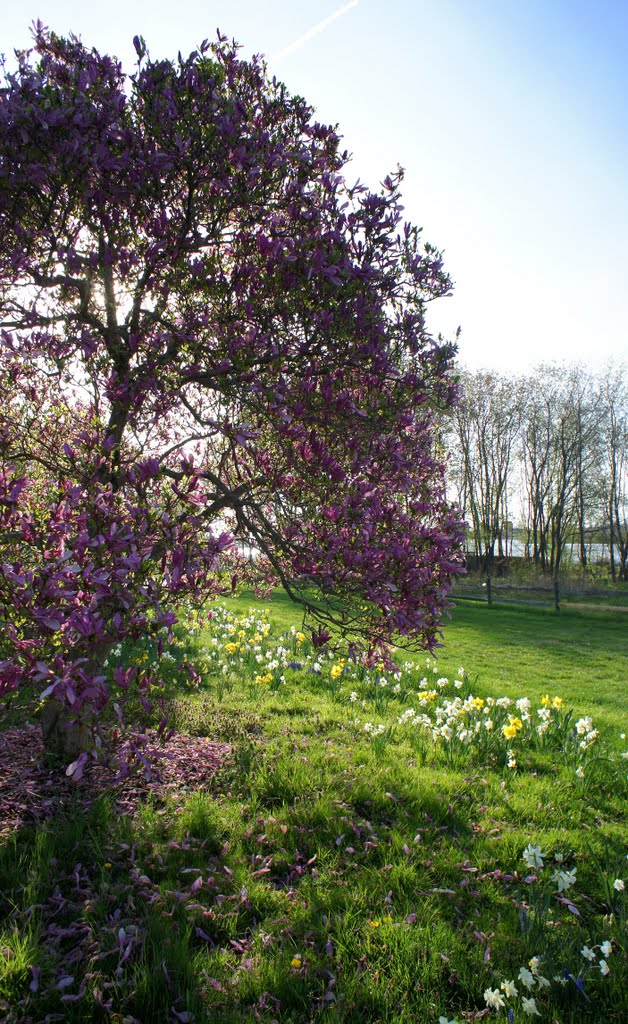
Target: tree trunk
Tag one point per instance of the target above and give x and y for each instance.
(61, 734)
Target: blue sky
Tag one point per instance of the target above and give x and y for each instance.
(510, 118)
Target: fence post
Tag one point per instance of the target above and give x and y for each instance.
(556, 594)
(489, 592)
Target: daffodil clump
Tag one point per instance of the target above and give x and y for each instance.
(239, 646)
(509, 995)
(499, 727)
(519, 993)
(593, 958)
(524, 994)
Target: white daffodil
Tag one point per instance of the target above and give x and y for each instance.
(526, 978)
(584, 725)
(564, 879)
(533, 856)
(529, 1006)
(494, 998)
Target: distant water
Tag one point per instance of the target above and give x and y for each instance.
(595, 552)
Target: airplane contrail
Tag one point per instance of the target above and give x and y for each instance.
(311, 32)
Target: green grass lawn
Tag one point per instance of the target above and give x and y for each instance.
(345, 864)
(580, 654)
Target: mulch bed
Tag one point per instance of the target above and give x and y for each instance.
(32, 791)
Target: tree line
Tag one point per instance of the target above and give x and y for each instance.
(542, 458)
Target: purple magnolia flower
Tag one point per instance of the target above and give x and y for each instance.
(326, 455)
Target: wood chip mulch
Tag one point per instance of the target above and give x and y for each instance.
(32, 792)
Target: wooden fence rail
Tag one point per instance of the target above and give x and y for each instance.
(492, 591)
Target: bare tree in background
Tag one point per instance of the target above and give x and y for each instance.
(555, 440)
(550, 452)
(582, 392)
(614, 401)
(485, 427)
(560, 434)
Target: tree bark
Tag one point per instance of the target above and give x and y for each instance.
(61, 734)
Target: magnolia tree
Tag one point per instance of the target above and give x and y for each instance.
(210, 343)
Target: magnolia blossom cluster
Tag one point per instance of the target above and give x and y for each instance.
(211, 343)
